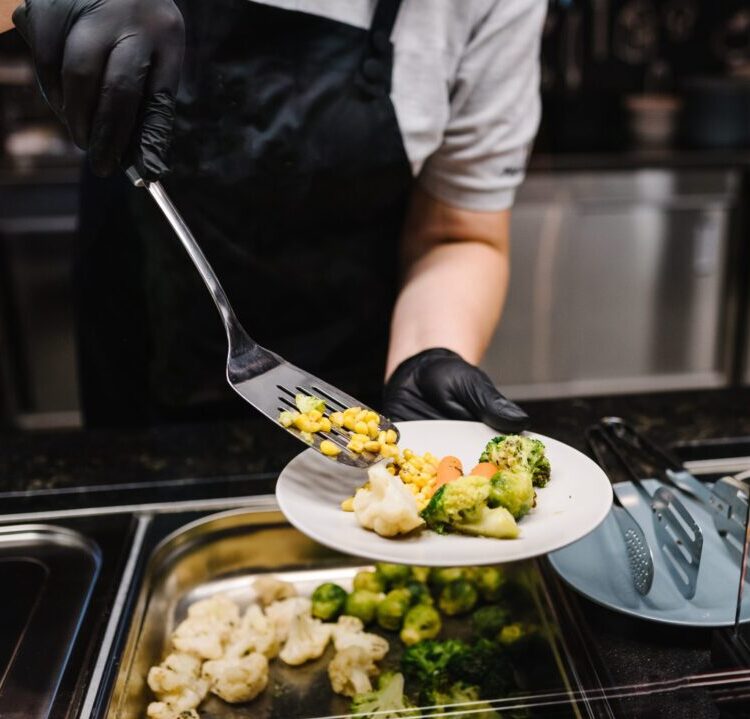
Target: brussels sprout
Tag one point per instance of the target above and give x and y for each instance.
(328, 601)
(391, 611)
(420, 593)
(440, 576)
(458, 597)
(393, 575)
(489, 581)
(421, 622)
(421, 574)
(489, 620)
(371, 581)
(511, 633)
(363, 604)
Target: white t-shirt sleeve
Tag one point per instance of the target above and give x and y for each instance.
(494, 111)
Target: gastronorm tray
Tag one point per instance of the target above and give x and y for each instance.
(47, 574)
(225, 553)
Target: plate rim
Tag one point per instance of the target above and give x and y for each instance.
(478, 561)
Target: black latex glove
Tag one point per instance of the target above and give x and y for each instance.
(109, 69)
(438, 384)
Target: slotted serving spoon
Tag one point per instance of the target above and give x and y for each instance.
(637, 549)
(679, 537)
(262, 378)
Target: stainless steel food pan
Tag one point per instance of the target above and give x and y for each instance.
(225, 553)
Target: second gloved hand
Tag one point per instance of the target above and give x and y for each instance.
(109, 69)
(439, 384)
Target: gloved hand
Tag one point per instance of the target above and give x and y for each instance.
(109, 69)
(438, 384)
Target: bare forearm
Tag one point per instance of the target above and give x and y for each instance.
(454, 286)
(6, 11)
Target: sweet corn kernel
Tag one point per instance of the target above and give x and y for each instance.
(325, 424)
(349, 422)
(306, 436)
(355, 446)
(372, 429)
(388, 450)
(390, 469)
(362, 415)
(303, 423)
(362, 438)
(372, 447)
(329, 449)
(337, 419)
(372, 416)
(287, 418)
(407, 452)
(315, 415)
(361, 428)
(381, 436)
(348, 504)
(391, 437)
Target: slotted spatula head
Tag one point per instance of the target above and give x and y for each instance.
(640, 559)
(270, 384)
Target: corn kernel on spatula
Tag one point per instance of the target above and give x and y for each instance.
(262, 378)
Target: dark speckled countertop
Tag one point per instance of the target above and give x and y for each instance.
(34, 461)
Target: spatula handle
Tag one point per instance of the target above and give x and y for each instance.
(239, 341)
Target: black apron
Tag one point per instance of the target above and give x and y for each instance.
(290, 169)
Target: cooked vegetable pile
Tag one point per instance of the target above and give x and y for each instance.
(218, 650)
(415, 491)
(311, 417)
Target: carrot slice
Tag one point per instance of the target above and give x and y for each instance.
(484, 469)
(450, 468)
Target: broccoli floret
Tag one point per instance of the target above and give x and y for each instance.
(427, 662)
(514, 491)
(515, 452)
(393, 575)
(371, 581)
(450, 700)
(488, 621)
(385, 702)
(363, 604)
(489, 581)
(328, 601)
(486, 665)
(392, 610)
(462, 505)
(421, 622)
(420, 593)
(440, 576)
(458, 597)
(307, 403)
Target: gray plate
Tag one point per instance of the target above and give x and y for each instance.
(597, 567)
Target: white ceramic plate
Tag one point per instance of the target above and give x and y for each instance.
(597, 567)
(577, 498)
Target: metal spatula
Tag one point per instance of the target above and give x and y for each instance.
(261, 377)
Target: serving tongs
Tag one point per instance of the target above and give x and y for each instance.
(637, 549)
(678, 535)
(727, 500)
(261, 377)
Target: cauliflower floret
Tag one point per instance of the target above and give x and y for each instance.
(237, 679)
(164, 710)
(256, 633)
(350, 671)
(283, 612)
(349, 632)
(176, 673)
(307, 640)
(207, 627)
(219, 608)
(268, 589)
(386, 505)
